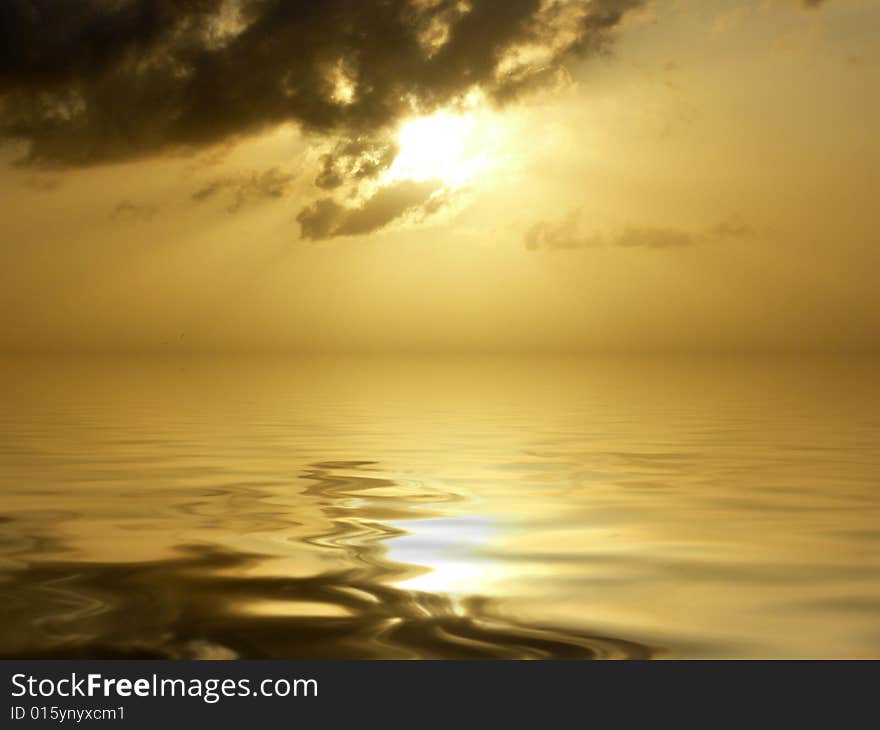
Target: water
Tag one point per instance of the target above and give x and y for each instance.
(439, 509)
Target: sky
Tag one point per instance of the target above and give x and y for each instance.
(614, 176)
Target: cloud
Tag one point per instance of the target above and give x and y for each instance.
(562, 235)
(85, 81)
(319, 220)
(730, 228)
(42, 183)
(355, 159)
(133, 212)
(326, 218)
(565, 235)
(246, 188)
(648, 237)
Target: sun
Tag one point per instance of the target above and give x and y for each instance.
(451, 148)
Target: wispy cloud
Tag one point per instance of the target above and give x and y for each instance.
(328, 219)
(566, 235)
(131, 212)
(240, 190)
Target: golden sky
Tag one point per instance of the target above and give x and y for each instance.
(438, 175)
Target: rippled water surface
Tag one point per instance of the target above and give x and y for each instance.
(446, 509)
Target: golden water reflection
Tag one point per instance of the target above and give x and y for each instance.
(428, 509)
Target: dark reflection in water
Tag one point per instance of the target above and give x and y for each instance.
(184, 607)
(552, 509)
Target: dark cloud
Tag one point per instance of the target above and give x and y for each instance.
(246, 188)
(89, 80)
(328, 219)
(565, 235)
(318, 220)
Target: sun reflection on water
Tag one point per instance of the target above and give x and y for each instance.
(450, 551)
(474, 510)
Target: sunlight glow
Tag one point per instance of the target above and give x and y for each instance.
(450, 549)
(452, 148)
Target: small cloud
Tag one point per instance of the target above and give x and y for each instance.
(730, 228)
(246, 188)
(355, 159)
(562, 235)
(133, 212)
(647, 237)
(326, 218)
(211, 189)
(565, 235)
(43, 183)
(319, 220)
